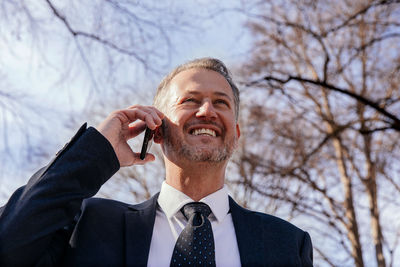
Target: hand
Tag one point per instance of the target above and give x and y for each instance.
(118, 128)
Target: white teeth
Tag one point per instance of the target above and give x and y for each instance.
(204, 131)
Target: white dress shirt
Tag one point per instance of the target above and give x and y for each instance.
(170, 222)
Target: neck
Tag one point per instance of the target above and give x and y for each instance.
(196, 180)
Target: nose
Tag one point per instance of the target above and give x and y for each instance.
(206, 110)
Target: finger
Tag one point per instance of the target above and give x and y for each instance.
(157, 113)
(147, 118)
(151, 122)
(147, 114)
(151, 118)
(136, 128)
(151, 107)
(157, 116)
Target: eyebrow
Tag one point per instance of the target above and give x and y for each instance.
(215, 93)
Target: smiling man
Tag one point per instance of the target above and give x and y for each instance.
(200, 131)
(192, 221)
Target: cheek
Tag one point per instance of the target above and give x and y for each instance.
(229, 121)
(180, 117)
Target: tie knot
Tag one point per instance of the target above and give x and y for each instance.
(195, 207)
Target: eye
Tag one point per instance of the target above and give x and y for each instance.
(221, 102)
(190, 101)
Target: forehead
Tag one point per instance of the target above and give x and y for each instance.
(199, 80)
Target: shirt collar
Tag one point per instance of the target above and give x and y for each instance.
(172, 200)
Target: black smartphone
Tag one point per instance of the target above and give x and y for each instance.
(148, 135)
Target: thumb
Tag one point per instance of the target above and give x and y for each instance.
(148, 158)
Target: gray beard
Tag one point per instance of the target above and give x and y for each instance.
(214, 156)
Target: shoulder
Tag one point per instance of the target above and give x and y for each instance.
(273, 235)
(102, 211)
(271, 222)
(95, 203)
(107, 206)
(266, 221)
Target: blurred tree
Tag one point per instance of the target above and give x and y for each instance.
(322, 144)
(78, 52)
(87, 58)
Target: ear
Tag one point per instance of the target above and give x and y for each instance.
(237, 130)
(158, 135)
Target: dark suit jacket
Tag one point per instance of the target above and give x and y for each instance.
(53, 221)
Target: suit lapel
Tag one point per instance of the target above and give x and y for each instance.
(249, 235)
(139, 223)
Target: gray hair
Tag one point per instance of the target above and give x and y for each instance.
(203, 63)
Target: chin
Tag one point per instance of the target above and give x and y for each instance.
(204, 155)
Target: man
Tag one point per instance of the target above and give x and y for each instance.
(53, 221)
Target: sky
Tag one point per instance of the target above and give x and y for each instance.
(31, 71)
(55, 94)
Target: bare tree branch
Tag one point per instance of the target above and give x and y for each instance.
(394, 125)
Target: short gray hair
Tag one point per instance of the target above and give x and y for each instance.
(202, 63)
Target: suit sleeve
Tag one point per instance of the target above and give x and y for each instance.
(36, 223)
(306, 252)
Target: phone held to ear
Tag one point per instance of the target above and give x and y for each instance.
(148, 135)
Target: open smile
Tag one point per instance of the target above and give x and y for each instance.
(203, 131)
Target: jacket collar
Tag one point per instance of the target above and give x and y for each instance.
(139, 224)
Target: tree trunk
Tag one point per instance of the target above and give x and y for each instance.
(371, 189)
(352, 226)
(350, 214)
